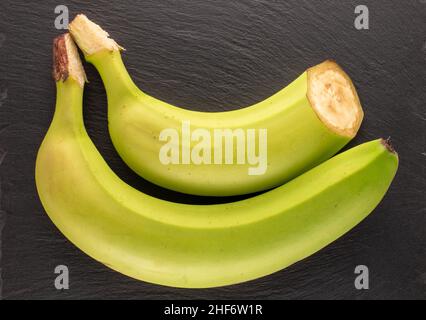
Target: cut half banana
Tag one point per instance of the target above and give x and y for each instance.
(223, 153)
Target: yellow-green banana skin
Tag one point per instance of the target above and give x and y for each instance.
(199, 246)
(296, 138)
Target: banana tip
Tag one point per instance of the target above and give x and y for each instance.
(388, 145)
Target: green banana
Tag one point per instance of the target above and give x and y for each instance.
(194, 246)
(303, 125)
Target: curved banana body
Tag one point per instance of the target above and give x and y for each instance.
(271, 142)
(198, 246)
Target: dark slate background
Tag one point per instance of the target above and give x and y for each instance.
(218, 55)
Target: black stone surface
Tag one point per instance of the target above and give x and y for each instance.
(220, 55)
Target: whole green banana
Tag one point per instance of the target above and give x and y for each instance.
(299, 127)
(194, 246)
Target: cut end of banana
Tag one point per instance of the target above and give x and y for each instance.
(90, 37)
(334, 99)
(66, 60)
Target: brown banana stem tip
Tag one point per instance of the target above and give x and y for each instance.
(387, 144)
(66, 60)
(60, 59)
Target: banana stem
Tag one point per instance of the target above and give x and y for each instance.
(104, 53)
(68, 111)
(115, 77)
(70, 77)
